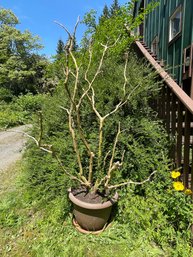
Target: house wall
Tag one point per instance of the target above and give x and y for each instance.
(157, 24)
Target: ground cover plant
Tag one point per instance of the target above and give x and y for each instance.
(151, 220)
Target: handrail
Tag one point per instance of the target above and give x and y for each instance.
(184, 98)
(175, 108)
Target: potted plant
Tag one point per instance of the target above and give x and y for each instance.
(97, 162)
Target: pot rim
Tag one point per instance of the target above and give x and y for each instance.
(93, 206)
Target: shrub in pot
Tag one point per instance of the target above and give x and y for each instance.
(95, 128)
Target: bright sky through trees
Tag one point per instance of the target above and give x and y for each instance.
(38, 16)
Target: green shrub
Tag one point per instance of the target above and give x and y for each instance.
(5, 95)
(151, 211)
(20, 110)
(10, 116)
(29, 102)
(162, 214)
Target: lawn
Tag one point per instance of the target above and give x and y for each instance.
(41, 228)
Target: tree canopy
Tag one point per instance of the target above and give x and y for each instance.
(19, 62)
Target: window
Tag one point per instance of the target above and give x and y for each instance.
(175, 23)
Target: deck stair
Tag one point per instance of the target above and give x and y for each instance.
(175, 108)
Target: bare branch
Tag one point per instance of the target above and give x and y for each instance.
(90, 83)
(93, 105)
(72, 74)
(120, 104)
(106, 156)
(111, 46)
(125, 76)
(65, 109)
(76, 25)
(114, 148)
(61, 25)
(90, 168)
(89, 64)
(123, 155)
(35, 140)
(132, 182)
(117, 164)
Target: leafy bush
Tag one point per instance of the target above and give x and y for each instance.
(29, 102)
(163, 214)
(150, 212)
(5, 94)
(21, 110)
(10, 116)
(143, 141)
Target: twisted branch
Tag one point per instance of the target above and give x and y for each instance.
(132, 182)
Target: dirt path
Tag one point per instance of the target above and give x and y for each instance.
(11, 146)
(11, 149)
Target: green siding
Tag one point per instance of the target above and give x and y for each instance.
(157, 24)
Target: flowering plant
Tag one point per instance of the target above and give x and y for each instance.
(178, 185)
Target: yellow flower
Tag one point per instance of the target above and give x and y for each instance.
(175, 174)
(188, 191)
(178, 186)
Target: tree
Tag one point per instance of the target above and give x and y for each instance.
(115, 8)
(90, 21)
(60, 48)
(7, 17)
(105, 15)
(18, 61)
(74, 44)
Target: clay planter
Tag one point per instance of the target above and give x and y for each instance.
(92, 217)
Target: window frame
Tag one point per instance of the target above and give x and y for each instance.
(178, 9)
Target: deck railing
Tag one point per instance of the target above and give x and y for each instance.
(175, 108)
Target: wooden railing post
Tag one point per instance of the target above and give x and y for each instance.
(179, 135)
(186, 147)
(173, 125)
(168, 110)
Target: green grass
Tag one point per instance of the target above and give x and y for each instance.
(32, 228)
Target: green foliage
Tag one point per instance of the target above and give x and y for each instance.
(118, 26)
(115, 8)
(90, 21)
(5, 95)
(162, 213)
(7, 17)
(20, 110)
(105, 15)
(9, 116)
(30, 103)
(150, 220)
(60, 47)
(20, 68)
(143, 142)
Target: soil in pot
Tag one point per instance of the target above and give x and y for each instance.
(83, 195)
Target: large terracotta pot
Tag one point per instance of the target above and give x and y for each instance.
(92, 217)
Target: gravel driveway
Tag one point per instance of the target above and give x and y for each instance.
(11, 146)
